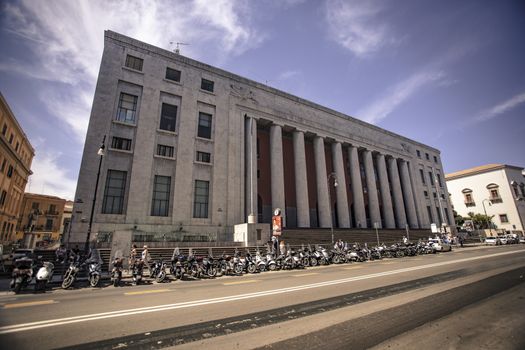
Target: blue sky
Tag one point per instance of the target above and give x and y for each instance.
(450, 74)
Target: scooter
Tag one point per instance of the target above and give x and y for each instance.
(44, 275)
(137, 270)
(94, 273)
(71, 273)
(116, 272)
(22, 273)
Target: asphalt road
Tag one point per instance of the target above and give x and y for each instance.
(284, 309)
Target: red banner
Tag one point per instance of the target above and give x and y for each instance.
(277, 225)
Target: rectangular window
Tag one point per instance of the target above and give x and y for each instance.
(422, 176)
(207, 85)
(35, 205)
(134, 62)
(435, 159)
(52, 209)
(17, 145)
(204, 125)
(200, 203)
(160, 202)
(121, 143)
(439, 180)
(168, 117)
(446, 215)
(173, 74)
(4, 129)
(429, 211)
(10, 171)
(431, 178)
(11, 138)
(4, 162)
(425, 193)
(127, 106)
(503, 218)
(427, 156)
(203, 157)
(440, 217)
(49, 224)
(418, 153)
(113, 202)
(3, 196)
(435, 194)
(165, 151)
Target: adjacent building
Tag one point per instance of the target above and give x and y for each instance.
(192, 150)
(497, 189)
(16, 155)
(40, 219)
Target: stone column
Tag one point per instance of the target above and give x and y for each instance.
(388, 212)
(251, 163)
(373, 198)
(408, 195)
(343, 216)
(417, 189)
(277, 170)
(301, 182)
(397, 194)
(323, 204)
(357, 188)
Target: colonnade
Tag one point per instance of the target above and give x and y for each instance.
(389, 188)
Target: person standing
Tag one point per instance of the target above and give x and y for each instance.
(282, 248)
(146, 258)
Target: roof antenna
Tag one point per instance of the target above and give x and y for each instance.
(177, 49)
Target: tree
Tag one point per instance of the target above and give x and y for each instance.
(458, 219)
(481, 221)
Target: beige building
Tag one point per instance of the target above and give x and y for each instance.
(497, 189)
(16, 155)
(66, 221)
(40, 219)
(192, 150)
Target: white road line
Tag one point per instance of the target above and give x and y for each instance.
(188, 304)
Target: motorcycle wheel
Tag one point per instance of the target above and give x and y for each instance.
(67, 282)
(252, 268)
(160, 277)
(261, 268)
(238, 269)
(212, 272)
(116, 281)
(93, 280)
(322, 262)
(272, 267)
(313, 262)
(178, 273)
(306, 262)
(336, 259)
(40, 285)
(18, 287)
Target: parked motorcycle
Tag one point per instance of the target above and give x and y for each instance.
(71, 273)
(178, 264)
(94, 263)
(22, 273)
(44, 275)
(137, 269)
(116, 272)
(158, 271)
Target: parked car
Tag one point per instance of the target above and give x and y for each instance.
(492, 240)
(439, 245)
(503, 239)
(522, 239)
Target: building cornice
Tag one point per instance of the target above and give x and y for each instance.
(480, 170)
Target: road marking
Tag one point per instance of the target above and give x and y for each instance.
(233, 298)
(388, 262)
(239, 282)
(147, 291)
(353, 267)
(29, 303)
(306, 274)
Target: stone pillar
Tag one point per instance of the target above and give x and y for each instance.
(323, 205)
(277, 170)
(417, 189)
(301, 182)
(388, 212)
(343, 215)
(251, 163)
(397, 194)
(373, 198)
(357, 188)
(408, 195)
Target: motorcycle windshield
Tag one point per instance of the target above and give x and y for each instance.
(176, 253)
(118, 254)
(95, 256)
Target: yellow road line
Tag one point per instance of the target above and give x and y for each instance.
(306, 274)
(354, 267)
(147, 291)
(29, 303)
(239, 282)
(388, 262)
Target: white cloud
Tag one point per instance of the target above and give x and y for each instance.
(355, 25)
(49, 177)
(501, 108)
(289, 74)
(396, 95)
(66, 38)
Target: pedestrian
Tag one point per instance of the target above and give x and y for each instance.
(275, 244)
(132, 256)
(146, 258)
(405, 240)
(61, 254)
(76, 250)
(282, 248)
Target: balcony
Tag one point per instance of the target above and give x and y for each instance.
(470, 203)
(51, 213)
(495, 199)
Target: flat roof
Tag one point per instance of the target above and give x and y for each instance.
(479, 170)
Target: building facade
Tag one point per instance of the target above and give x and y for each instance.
(497, 189)
(194, 150)
(40, 219)
(16, 155)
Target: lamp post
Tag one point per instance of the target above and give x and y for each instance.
(486, 216)
(331, 176)
(101, 152)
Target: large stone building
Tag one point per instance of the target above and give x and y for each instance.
(40, 219)
(497, 189)
(192, 150)
(16, 155)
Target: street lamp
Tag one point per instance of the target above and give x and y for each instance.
(331, 176)
(101, 152)
(486, 216)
